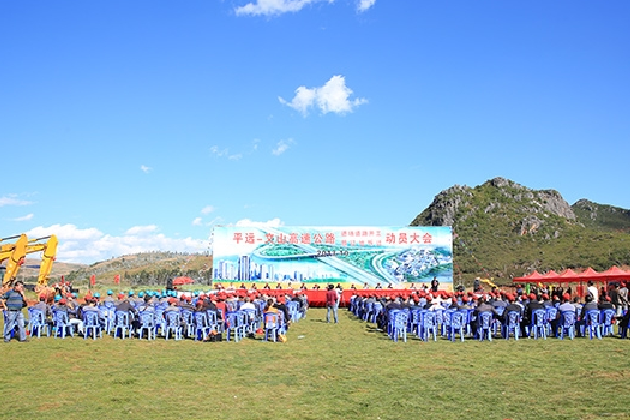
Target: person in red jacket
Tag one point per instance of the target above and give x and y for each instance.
(332, 302)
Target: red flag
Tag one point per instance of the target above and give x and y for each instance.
(63, 278)
(117, 278)
(92, 280)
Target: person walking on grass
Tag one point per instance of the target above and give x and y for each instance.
(332, 302)
(13, 301)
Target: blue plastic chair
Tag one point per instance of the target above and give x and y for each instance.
(173, 326)
(484, 325)
(567, 319)
(512, 325)
(121, 324)
(147, 323)
(159, 318)
(201, 325)
(550, 314)
(606, 318)
(414, 320)
(92, 322)
(62, 324)
(250, 321)
(271, 321)
(496, 322)
(235, 321)
(457, 323)
(399, 326)
(537, 326)
(391, 315)
(446, 322)
(439, 320)
(591, 322)
(429, 325)
(377, 309)
(37, 321)
(189, 323)
(213, 322)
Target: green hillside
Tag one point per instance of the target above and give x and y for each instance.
(602, 216)
(503, 229)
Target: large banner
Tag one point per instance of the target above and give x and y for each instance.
(363, 256)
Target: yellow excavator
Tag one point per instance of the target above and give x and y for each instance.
(16, 253)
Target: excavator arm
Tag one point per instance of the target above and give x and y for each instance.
(15, 259)
(22, 247)
(48, 257)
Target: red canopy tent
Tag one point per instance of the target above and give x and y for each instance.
(590, 274)
(535, 277)
(569, 276)
(615, 273)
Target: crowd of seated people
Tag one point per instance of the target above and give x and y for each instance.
(67, 312)
(554, 311)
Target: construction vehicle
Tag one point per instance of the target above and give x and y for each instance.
(15, 253)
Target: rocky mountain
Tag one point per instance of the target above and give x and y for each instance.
(602, 216)
(503, 229)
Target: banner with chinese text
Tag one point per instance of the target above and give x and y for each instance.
(352, 255)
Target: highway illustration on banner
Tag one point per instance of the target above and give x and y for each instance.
(356, 255)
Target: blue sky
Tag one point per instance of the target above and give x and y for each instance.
(128, 126)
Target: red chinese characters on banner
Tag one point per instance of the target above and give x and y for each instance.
(250, 238)
(415, 238)
(343, 233)
(318, 238)
(281, 239)
(351, 234)
(269, 237)
(390, 238)
(293, 238)
(238, 237)
(306, 238)
(344, 242)
(402, 238)
(426, 238)
(330, 238)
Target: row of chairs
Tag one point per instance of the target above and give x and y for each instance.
(426, 324)
(236, 324)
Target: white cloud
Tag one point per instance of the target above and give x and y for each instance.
(333, 96)
(270, 223)
(90, 244)
(145, 169)
(215, 150)
(13, 201)
(197, 222)
(141, 230)
(274, 7)
(24, 218)
(235, 157)
(208, 209)
(365, 5)
(69, 232)
(282, 147)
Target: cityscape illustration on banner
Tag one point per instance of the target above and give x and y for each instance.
(352, 255)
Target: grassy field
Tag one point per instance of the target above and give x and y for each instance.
(324, 371)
